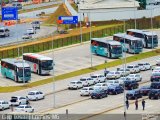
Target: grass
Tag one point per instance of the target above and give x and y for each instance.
(82, 71)
(61, 10)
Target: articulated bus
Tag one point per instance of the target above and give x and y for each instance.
(129, 43)
(107, 48)
(39, 64)
(13, 69)
(150, 39)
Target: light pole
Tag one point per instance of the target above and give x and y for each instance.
(152, 25)
(135, 22)
(54, 97)
(90, 39)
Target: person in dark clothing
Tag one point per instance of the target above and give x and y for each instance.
(143, 104)
(136, 104)
(127, 104)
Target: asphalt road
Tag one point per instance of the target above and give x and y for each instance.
(70, 96)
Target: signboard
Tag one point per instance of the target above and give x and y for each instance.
(68, 19)
(9, 13)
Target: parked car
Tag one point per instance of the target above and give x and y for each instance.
(133, 94)
(18, 100)
(156, 69)
(18, 5)
(155, 85)
(36, 24)
(87, 81)
(75, 85)
(99, 93)
(114, 90)
(121, 80)
(133, 68)
(98, 77)
(86, 91)
(4, 105)
(144, 66)
(155, 77)
(26, 36)
(103, 86)
(113, 82)
(35, 95)
(136, 77)
(113, 75)
(130, 84)
(24, 108)
(5, 32)
(31, 31)
(154, 94)
(145, 90)
(123, 72)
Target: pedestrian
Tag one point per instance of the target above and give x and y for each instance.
(136, 104)
(105, 72)
(143, 104)
(127, 104)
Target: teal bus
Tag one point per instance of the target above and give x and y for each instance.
(130, 44)
(13, 69)
(107, 48)
(149, 39)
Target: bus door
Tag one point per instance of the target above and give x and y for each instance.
(109, 51)
(40, 67)
(146, 40)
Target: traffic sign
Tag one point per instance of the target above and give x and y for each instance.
(9, 13)
(68, 19)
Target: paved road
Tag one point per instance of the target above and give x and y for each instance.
(17, 31)
(70, 96)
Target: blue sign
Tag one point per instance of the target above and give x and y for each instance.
(68, 19)
(9, 13)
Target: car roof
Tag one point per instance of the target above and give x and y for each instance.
(34, 91)
(132, 91)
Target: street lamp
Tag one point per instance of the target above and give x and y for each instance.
(135, 22)
(152, 24)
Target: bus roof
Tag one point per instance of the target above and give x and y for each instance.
(37, 56)
(104, 40)
(124, 35)
(18, 63)
(146, 32)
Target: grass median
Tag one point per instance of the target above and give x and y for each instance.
(80, 72)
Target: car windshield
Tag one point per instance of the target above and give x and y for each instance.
(27, 72)
(72, 82)
(111, 73)
(93, 76)
(129, 66)
(110, 81)
(140, 64)
(20, 107)
(84, 89)
(116, 49)
(98, 85)
(1, 30)
(31, 93)
(47, 64)
(131, 76)
(156, 74)
(82, 79)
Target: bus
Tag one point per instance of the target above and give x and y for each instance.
(107, 48)
(129, 43)
(39, 64)
(146, 36)
(13, 69)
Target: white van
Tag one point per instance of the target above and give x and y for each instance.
(4, 32)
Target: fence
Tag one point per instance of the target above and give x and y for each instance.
(42, 46)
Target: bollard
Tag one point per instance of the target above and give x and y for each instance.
(67, 113)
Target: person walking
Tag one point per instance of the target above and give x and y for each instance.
(127, 104)
(105, 72)
(136, 104)
(143, 104)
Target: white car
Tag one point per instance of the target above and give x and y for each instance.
(18, 100)
(26, 36)
(156, 69)
(98, 77)
(4, 105)
(136, 77)
(4, 32)
(35, 95)
(31, 31)
(87, 81)
(113, 82)
(113, 75)
(75, 85)
(133, 68)
(144, 66)
(103, 86)
(24, 108)
(122, 79)
(123, 72)
(86, 91)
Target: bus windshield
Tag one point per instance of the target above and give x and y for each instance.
(27, 72)
(155, 39)
(137, 44)
(116, 49)
(47, 64)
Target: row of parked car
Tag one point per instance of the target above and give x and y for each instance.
(22, 102)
